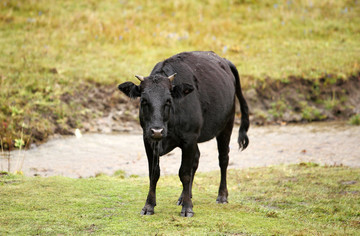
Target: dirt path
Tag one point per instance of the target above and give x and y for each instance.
(325, 143)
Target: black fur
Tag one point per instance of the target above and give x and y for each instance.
(198, 105)
(130, 89)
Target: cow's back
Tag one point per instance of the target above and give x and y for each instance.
(211, 105)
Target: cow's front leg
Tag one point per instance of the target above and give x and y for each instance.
(194, 168)
(185, 173)
(154, 174)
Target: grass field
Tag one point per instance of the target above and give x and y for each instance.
(303, 199)
(50, 48)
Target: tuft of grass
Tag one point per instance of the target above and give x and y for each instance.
(355, 119)
(303, 199)
(119, 174)
(310, 113)
(277, 108)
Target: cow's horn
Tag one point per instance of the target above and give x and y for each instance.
(171, 77)
(139, 77)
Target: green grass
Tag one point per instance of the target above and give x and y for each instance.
(355, 119)
(50, 47)
(303, 199)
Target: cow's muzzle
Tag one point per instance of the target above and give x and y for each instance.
(157, 133)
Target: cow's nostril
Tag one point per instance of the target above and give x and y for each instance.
(157, 133)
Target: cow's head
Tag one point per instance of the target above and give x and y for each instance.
(157, 94)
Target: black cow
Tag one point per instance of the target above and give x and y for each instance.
(187, 99)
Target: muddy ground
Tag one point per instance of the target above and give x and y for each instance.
(325, 143)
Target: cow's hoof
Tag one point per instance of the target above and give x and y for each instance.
(147, 210)
(187, 212)
(221, 200)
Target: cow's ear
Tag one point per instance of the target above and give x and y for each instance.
(181, 90)
(130, 89)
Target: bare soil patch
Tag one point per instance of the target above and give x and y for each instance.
(325, 143)
(301, 100)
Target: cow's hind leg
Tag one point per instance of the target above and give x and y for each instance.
(223, 140)
(195, 166)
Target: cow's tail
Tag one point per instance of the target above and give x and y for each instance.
(243, 139)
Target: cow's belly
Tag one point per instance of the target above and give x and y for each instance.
(216, 120)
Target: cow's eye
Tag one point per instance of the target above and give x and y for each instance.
(144, 102)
